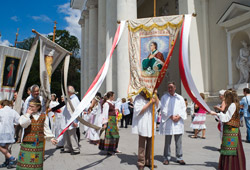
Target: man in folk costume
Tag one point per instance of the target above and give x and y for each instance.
(142, 125)
(173, 114)
(70, 138)
(34, 95)
(154, 61)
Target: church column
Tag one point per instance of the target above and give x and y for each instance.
(125, 10)
(86, 50)
(102, 38)
(229, 60)
(111, 25)
(83, 74)
(93, 40)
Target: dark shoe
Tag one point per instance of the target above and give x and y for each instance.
(12, 164)
(121, 127)
(140, 167)
(59, 147)
(5, 164)
(155, 166)
(166, 162)
(181, 162)
(203, 137)
(64, 151)
(194, 137)
(75, 153)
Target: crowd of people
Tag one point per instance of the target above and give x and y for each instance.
(36, 123)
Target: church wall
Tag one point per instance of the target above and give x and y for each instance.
(218, 44)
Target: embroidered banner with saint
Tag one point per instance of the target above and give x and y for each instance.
(12, 62)
(151, 43)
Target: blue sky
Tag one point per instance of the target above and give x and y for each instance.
(39, 15)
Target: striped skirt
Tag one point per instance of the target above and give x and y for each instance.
(30, 156)
(111, 140)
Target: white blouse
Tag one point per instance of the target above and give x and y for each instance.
(8, 118)
(226, 117)
(105, 112)
(25, 122)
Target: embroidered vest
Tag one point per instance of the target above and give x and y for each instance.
(111, 109)
(235, 120)
(35, 130)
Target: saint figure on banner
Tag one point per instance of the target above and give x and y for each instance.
(10, 71)
(154, 62)
(48, 63)
(11, 68)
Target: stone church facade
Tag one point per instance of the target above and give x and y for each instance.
(218, 59)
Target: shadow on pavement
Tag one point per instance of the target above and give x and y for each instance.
(93, 163)
(192, 132)
(129, 159)
(212, 164)
(49, 153)
(212, 148)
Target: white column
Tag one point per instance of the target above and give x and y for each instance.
(229, 59)
(111, 25)
(125, 10)
(93, 40)
(86, 50)
(83, 74)
(102, 38)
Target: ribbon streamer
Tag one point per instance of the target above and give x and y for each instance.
(96, 84)
(185, 73)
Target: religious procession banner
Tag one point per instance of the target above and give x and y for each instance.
(51, 54)
(12, 62)
(151, 43)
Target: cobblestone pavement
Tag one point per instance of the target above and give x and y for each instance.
(197, 153)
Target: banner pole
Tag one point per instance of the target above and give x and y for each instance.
(54, 32)
(152, 147)
(154, 8)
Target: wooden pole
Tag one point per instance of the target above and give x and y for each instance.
(153, 130)
(153, 116)
(16, 37)
(154, 8)
(54, 32)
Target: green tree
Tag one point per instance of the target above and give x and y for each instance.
(70, 43)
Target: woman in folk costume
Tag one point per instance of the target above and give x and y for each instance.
(111, 139)
(36, 129)
(95, 110)
(232, 153)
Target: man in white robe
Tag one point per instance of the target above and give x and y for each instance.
(173, 114)
(70, 138)
(142, 125)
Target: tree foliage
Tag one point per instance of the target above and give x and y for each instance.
(70, 43)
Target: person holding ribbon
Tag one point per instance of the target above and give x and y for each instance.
(232, 154)
(36, 125)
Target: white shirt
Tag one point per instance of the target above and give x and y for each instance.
(226, 117)
(172, 106)
(142, 123)
(8, 117)
(105, 112)
(27, 101)
(25, 122)
(75, 101)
